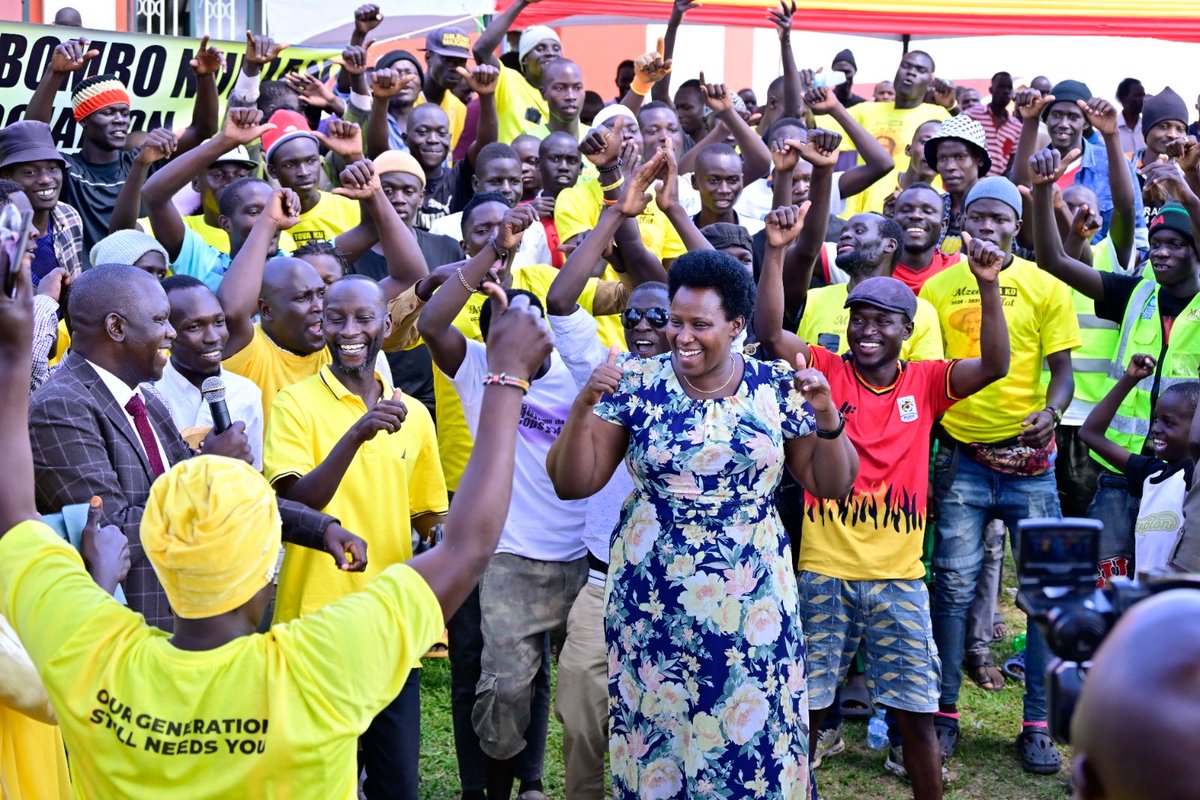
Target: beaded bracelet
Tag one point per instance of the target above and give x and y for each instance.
(836, 432)
(504, 379)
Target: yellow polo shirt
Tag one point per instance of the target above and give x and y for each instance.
(520, 108)
(392, 478)
(272, 715)
(454, 438)
(272, 368)
(824, 313)
(578, 208)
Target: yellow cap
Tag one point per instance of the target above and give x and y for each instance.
(211, 530)
(399, 161)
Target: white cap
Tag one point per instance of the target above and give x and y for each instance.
(610, 111)
(530, 38)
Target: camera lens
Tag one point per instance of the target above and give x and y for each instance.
(1077, 633)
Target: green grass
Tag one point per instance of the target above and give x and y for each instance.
(985, 767)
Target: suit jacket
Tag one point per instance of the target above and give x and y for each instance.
(83, 445)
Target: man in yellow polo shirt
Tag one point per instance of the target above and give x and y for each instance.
(519, 102)
(869, 246)
(345, 441)
(215, 710)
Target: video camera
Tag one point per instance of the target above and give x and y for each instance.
(1056, 579)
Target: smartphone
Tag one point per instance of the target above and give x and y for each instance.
(14, 239)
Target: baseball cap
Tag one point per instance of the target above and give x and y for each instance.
(448, 41)
(238, 155)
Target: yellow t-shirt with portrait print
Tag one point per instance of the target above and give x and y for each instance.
(392, 478)
(520, 107)
(1040, 316)
(894, 128)
(454, 438)
(578, 208)
(274, 715)
(825, 313)
(333, 214)
(456, 112)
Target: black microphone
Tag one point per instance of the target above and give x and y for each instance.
(213, 390)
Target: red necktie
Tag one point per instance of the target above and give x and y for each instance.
(141, 421)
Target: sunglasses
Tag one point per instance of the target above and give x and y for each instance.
(657, 316)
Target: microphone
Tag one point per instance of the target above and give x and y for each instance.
(213, 391)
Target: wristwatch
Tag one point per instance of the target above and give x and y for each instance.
(1054, 412)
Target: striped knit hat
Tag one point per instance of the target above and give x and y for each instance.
(97, 92)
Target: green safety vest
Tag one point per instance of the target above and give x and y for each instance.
(1090, 363)
(1141, 332)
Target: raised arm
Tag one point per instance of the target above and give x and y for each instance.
(1046, 167)
(494, 33)
(483, 79)
(70, 56)
(824, 467)
(970, 375)
(783, 226)
(792, 88)
(756, 158)
(648, 70)
(17, 502)
(1103, 117)
(1171, 178)
(662, 89)
(242, 285)
(563, 296)
(385, 84)
(207, 108)
(585, 455)
(1029, 104)
(445, 342)
(159, 144)
(667, 198)
(878, 163)
(518, 342)
(821, 150)
(366, 19)
(1094, 430)
(260, 51)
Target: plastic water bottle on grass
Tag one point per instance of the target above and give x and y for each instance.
(877, 731)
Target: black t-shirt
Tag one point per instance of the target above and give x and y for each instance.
(412, 370)
(92, 189)
(1118, 289)
(447, 193)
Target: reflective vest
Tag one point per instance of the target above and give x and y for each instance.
(1141, 332)
(1091, 362)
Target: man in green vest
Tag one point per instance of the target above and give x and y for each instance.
(1157, 313)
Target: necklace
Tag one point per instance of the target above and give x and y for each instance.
(732, 372)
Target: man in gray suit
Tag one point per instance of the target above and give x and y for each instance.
(94, 432)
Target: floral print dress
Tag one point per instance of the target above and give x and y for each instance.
(707, 692)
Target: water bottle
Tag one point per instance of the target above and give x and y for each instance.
(1018, 643)
(877, 731)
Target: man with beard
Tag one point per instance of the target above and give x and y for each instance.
(345, 441)
(196, 353)
(959, 154)
(1001, 128)
(519, 102)
(1155, 316)
(868, 248)
(896, 121)
(996, 454)
(854, 565)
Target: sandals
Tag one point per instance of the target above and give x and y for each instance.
(999, 628)
(1037, 752)
(855, 700)
(984, 672)
(947, 734)
(1015, 667)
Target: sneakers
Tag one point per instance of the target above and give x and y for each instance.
(895, 764)
(829, 743)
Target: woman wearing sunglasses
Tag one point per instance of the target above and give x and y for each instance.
(704, 644)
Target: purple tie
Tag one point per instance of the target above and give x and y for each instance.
(141, 421)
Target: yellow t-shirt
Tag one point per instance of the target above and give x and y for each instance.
(273, 715)
(216, 237)
(333, 214)
(392, 478)
(824, 313)
(455, 111)
(454, 438)
(64, 344)
(1041, 320)
(520, 108)
(894, 128)
(33, 763)
(578, 208)
(272, 368)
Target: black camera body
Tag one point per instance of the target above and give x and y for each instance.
(1056, 579)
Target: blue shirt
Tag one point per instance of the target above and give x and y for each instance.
(1093, 173)
(202, 261)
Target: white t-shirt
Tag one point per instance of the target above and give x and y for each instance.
(539, 526)
(533, 249)
(1160, 515)
(190, 412)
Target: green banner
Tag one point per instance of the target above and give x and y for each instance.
(156, 70)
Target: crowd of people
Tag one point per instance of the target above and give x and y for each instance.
(450, 356)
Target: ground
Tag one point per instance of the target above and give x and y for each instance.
(985, 767)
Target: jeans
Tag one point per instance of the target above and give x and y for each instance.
(1075, 471)
(466, 646)
(392, 744)
(981, 618)
(1117, 509)
(976, 496)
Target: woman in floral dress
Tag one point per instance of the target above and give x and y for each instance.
(705, 650)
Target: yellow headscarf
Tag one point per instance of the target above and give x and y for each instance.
(211, 530)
